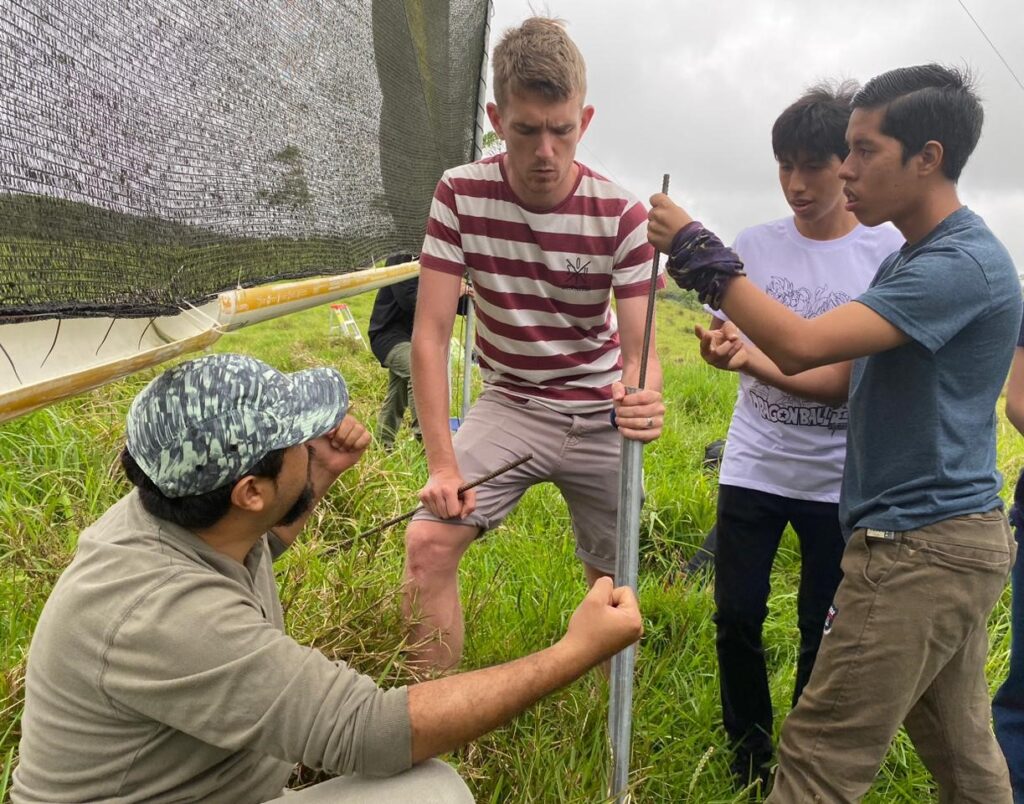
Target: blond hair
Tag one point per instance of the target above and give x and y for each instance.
(539, 56)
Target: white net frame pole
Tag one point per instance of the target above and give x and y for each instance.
(478, 145)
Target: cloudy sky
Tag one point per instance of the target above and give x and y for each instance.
(692, 89)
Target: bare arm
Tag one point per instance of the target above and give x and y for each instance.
(1015, 391)
(432, 330)
(451, 711)
(827, 384)
(724, 348)
(633, 410)
(796, 344)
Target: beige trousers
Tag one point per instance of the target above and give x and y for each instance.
(906, 643)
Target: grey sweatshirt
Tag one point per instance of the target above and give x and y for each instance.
(160, 671)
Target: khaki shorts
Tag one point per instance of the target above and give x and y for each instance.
(578, 453)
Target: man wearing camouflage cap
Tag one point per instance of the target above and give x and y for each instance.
(160, 670)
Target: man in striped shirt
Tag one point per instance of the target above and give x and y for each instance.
(547, 243)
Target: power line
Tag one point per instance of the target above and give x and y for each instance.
(596, 158)
(991, 44)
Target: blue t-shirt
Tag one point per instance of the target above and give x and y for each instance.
(921, 444)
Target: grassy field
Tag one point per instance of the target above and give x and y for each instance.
(519, 585)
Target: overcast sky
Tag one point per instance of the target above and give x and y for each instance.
(692, 89)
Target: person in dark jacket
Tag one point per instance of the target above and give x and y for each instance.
(390, 333)
(390, 336)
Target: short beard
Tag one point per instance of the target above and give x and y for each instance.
(299, 508)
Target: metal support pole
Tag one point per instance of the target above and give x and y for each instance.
(620, 721)
(467, 358)
(631, 473)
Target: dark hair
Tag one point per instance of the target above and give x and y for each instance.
(196, 511)
(928, 102)
(815, 124)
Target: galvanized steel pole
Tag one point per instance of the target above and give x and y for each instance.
(631, 473)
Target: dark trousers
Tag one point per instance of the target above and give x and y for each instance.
(1008, 705)
(750, 527)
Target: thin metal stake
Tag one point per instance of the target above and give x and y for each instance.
(489, 476)
(631, 473)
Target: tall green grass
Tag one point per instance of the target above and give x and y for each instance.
(519, 584)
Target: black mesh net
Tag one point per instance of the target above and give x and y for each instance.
(156, 152)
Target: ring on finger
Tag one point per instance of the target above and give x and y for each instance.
(650, 423)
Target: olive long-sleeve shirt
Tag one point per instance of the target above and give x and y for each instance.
(160, 671)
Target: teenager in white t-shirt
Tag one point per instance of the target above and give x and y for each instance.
(784, 455)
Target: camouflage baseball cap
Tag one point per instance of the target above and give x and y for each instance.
(205, 423)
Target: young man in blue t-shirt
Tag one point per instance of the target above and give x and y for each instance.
(922, 355)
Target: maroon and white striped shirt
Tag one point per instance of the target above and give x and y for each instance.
(543, 279)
